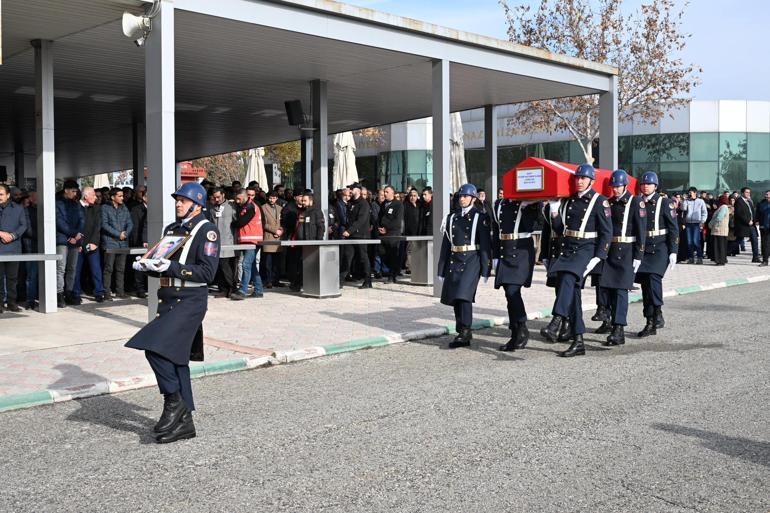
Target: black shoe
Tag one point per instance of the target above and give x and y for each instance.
(756, 260)
(602, 314)
(522, 337)
(463, 339)
(551, 332)
(606, 327)
(12, 307)
(173, 410)
(378, 276)
(690, 260)
(142, 294)
(70, 299)
(60, 302)
(510, 346)
(295, 288)
(393, 278)
(660, 322)
(279, 284)
(565, 334)
(237, 296)
(649, 329)
(699, 261)
(617, 337)
(366, 285)
(763, 264)
(99, 298)
(122, 295)
(107, 296)
(183, 430)
(575, 349)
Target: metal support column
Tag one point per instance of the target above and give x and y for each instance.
(490, 148)
(18, 166)
(608, 126)
(441, 132)
(45, 172)
(306, 156)
(320, 149)
(138, 153)
(159, 118)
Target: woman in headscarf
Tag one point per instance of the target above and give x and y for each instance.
(720, 229)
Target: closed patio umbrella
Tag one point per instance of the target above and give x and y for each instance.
(344, 171)
(457, 173)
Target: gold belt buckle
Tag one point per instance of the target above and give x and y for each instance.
(506, 236)
(165, 282)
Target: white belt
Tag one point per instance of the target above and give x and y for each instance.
(515, 236)
(623, 240)
(656, 233)
(577, 234)
(176, 282)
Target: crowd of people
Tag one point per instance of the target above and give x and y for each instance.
(92, 223)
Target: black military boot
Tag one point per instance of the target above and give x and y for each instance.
(602, 314)
(575, 349)
(183, 430)
(173, 410)
(522, 337)
(510, 346)
(463, 339)
(606, 327)
(565, 334)
(659, 321)
(617, 337)
(649, 328)
(551, 332)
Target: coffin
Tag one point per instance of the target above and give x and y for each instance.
(541, 179)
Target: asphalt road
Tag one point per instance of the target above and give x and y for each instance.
(678, 423)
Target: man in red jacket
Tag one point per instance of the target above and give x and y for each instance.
(248, 223)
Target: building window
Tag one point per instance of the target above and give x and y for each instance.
(704, 146)
(674, 176)
(758, 147)
(703, 175)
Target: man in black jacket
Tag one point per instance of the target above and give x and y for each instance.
(357, 228)
(310, 226)
(138, 238)
(745, 222)
(426, 212)
(390, 224)
(89, 250)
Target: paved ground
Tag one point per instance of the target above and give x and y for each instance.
(79, 345)
(674, 424)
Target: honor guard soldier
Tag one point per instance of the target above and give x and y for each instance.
(175, 336)
(513, 253)
(583, 220)
(629, 229)
(551, 248)
(465, 256)
(660, 251)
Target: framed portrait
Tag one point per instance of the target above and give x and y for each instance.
(165, 247)
(530, 179)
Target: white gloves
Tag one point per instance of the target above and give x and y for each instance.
(591, 264)
(158, 266)
(494, 263)
(545, 262)
(554, 205)
(138, 266)
(440, 279)
(637, 263)
(671, 262)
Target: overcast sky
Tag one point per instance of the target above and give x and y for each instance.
(730, 38)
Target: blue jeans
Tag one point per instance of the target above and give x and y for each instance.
(694, 246)
(379, 265)
(95, 265)
(250, 271)
(32, 277)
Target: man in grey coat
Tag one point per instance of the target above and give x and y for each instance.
(13, 224)
(222, 214)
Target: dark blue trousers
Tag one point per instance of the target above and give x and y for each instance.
(172, 377)
(95, 266)
(569, 301)
(516, 311)
(602, 297)
(463, 314)
(618, 303)
(652, 292)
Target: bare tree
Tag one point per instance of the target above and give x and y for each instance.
(643, 45)
(225, 168)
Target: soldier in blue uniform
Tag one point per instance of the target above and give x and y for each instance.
(175, 336)
(583, 221)
(513, 253)
(629, 229)
(660, 251)
(465, 256)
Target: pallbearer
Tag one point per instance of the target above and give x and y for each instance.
(513, 251)
(584, 222)
(465, 256)
(629, 229)
(660, 250)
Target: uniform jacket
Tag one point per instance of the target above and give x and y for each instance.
(139, 220)
(617, 271)
(181, 310)
(515, 258)
(657, 248)
(575, 253)
(114, 221)
(271, 223)
(92, 231)
(69, 221)
(311, 224)
(745, 214)
(14, 221)
(358, 219)
(461, 270)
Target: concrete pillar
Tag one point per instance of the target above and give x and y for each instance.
(490, 149)
(159, 119)
(18, 166)
(441, 132)
(306, 158)
(320, 148)
(138, 153)
(608, 126)
(45, 171)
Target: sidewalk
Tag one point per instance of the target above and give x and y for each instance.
(78, 351)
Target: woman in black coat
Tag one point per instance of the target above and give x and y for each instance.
(411, 224)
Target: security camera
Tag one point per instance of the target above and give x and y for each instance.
(136, 27)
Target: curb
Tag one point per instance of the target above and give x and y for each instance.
(50, 396)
